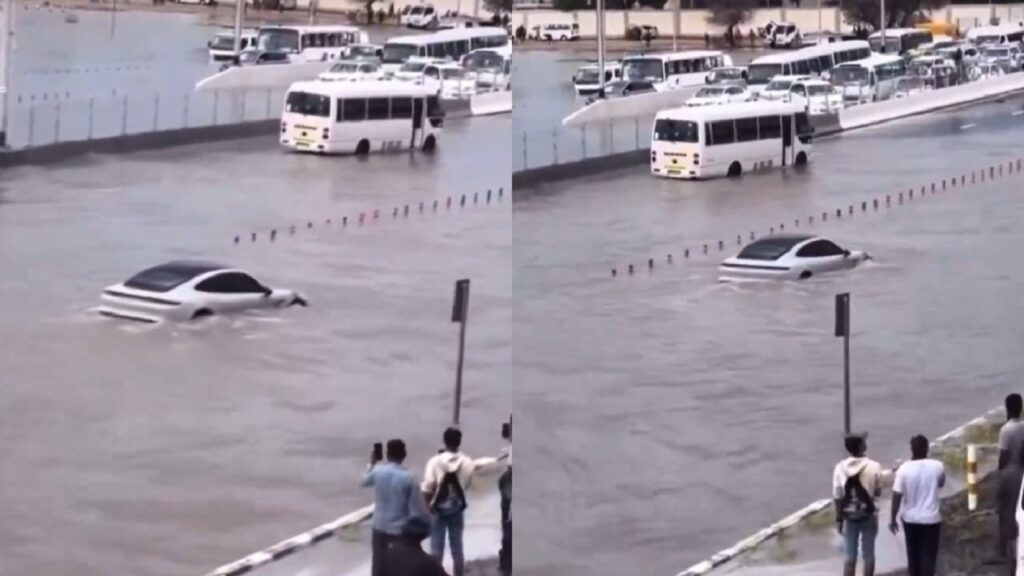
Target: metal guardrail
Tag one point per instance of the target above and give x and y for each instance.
(540, 148)
(52, 119)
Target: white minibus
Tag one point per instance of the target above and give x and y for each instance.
(899, 40)
(1005, 34)
(727, 140)
(869, 80)
(310, 43)
(450, 44)
(671, 71)
(361, 117)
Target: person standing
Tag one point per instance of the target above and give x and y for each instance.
(916, 491)
(1007, 495)
(856, 483)
(505, 488)
(1011, 435)
(395, 500)
(405, 556)
(445, 481)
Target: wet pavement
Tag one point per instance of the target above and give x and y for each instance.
(173, 450)
(665, 416)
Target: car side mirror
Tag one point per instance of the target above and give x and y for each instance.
(267, 292)
(846, 253)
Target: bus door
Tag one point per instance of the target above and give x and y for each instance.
(418, 110)
(787, 139)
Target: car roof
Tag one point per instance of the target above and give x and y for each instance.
(191, 267)
(790, 240)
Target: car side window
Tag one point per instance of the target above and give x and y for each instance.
(734, 90)
(230, 283)
(819, 249)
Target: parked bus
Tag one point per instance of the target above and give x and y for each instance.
(806, 61)
(491, 68)
(1006, 34)
(899, 40)
(869, 80)
(360, 117)
(671, 71)
(727, 140)
(451, 44)
(310, 43)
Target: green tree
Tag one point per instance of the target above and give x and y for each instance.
(898, 13)
(731, 13)
(499, 6)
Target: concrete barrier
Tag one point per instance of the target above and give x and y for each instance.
(525, 181)
(647, 104)
(286, 548)
(280, 76)
(137, 142)
(490, 103)
(879, 112)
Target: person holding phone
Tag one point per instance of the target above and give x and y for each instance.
(396, 499)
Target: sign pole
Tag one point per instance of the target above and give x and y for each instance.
(843, 331)
(460, 313)
(6, 50)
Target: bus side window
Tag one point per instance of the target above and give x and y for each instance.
(401, 107)
(434, 107)
(708, 140)
(422, 51)
(769, 127)
(723, 132)
(352, 109)
(378, 109)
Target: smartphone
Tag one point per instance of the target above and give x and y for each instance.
(506, 430)
(378, 451)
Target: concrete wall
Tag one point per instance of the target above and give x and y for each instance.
(525, 182)
(694, 22)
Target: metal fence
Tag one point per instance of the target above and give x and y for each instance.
(536, 149)
(39, 120)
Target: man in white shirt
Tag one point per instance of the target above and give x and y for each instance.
(916, 490)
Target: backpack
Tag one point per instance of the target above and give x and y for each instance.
(450, 499)
(856, 505)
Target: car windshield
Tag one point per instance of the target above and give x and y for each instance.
(484, 61)
(708, 92)
(818, 90)
(451, 73)
(762, 73)
(397, 53)
(779, 85)
(249, 57)
(997, 52)
(666, 130)
(987, 40)
(844, 75)
(345, 67)
(357, 51)
(223, 42)
(308, 104)
(168, 276)
(769, 248)
(416, 10)
(278, 39)
(643, 70)
(727, 74)
(587, 75)
(413, 67)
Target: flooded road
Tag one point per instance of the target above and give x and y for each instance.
(171, 450)
(665, 416)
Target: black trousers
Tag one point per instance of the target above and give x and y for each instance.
(380, 542)
(922, 548)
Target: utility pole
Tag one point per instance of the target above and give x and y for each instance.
(6, 51)
(843, 331)
(460, 314)
(113, 19)
(600, 47)
(239, 19)
(675, 25)
(883, 25)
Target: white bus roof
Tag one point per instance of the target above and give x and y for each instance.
(673, 56)
(368, 89)
(811, 52)
(992, 30)
(312, 29)
(731, 111)
(452, 35)
(897, 32)
(872, 61)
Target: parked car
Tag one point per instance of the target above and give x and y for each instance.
(714, 95)
(789, 257)
(640, 31)
(559, 32)
(727, 75)
(352, 71)
(819, 96)
(779, 87)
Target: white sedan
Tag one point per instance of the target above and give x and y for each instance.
(714, 95)
(189, 289)
(788, 257)
(352, 71)
(413, 68)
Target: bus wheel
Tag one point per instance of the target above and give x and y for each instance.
(735, 170)
(363, 148)
(801, 159)
(429, 144)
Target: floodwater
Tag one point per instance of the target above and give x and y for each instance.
(172, 450)
(664, 416)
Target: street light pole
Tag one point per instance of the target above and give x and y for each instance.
(676, 16)
(460, 314)
(6, 50)
(239, 19)
(883, 26)
(843, 331)
(600, 47)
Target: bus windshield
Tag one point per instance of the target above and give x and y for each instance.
(844, 75)
(276, 40)
(892, 45)
(818, 90)
(762, 73)
(982, 40)
(666, 130)
(643, 70)
(308, 104)
(484, 61)
(451, 73)
(398, 53)
(223, 42)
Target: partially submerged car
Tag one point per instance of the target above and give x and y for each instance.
(788, 257)
(190, 289)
